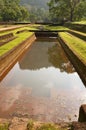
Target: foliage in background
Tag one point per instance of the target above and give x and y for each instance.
(37, 10)
(24, 10)
(67, 10)
(37, 14)
(12, 11)
(36, 3)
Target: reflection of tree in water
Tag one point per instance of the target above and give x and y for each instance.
(59, 60)
(46, 53)
(37, 57)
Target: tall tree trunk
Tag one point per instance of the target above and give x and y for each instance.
(71, 15)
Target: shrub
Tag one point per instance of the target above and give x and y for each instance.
(30, 125)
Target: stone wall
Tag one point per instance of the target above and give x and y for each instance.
(8, 60)
(77, 63)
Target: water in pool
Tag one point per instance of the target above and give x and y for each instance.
(43, 85)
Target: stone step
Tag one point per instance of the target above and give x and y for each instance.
(79, 126)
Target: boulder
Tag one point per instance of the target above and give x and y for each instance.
(82, 113)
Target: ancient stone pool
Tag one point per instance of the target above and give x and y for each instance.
(42, 85)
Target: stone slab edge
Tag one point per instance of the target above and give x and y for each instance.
(4, 71)
(66, 49)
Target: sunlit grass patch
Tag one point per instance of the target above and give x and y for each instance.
(21, 37)
(79, 22)
(52, 28)
(18, 29)
(81, 33)
(77, 45)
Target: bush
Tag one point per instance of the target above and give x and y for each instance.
(30, 125)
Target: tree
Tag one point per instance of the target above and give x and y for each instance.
(80, 12)
(24, 13)
(12, 10)
(1, 7)
(64, 9)
(8, 14)
(37, 14)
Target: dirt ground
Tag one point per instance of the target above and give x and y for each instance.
(22, 123)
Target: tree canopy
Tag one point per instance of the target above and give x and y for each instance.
(38, 10)
(67, 9)
(12, 11)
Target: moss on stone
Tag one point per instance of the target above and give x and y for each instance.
(4, 126)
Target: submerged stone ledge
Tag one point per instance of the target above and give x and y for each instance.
(29, 124)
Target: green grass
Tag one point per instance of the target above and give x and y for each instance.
(79, 22)
(76, 44)
(52, 28)
(81, 33)
(19, 29)
(21, 37)
(4, 126)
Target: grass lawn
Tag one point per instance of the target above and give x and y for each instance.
(52, 28)
(19, 29)
(21, 37)
(79, 22)
(77, 45)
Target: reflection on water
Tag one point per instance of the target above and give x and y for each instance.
(46, 55)
(42, 85)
